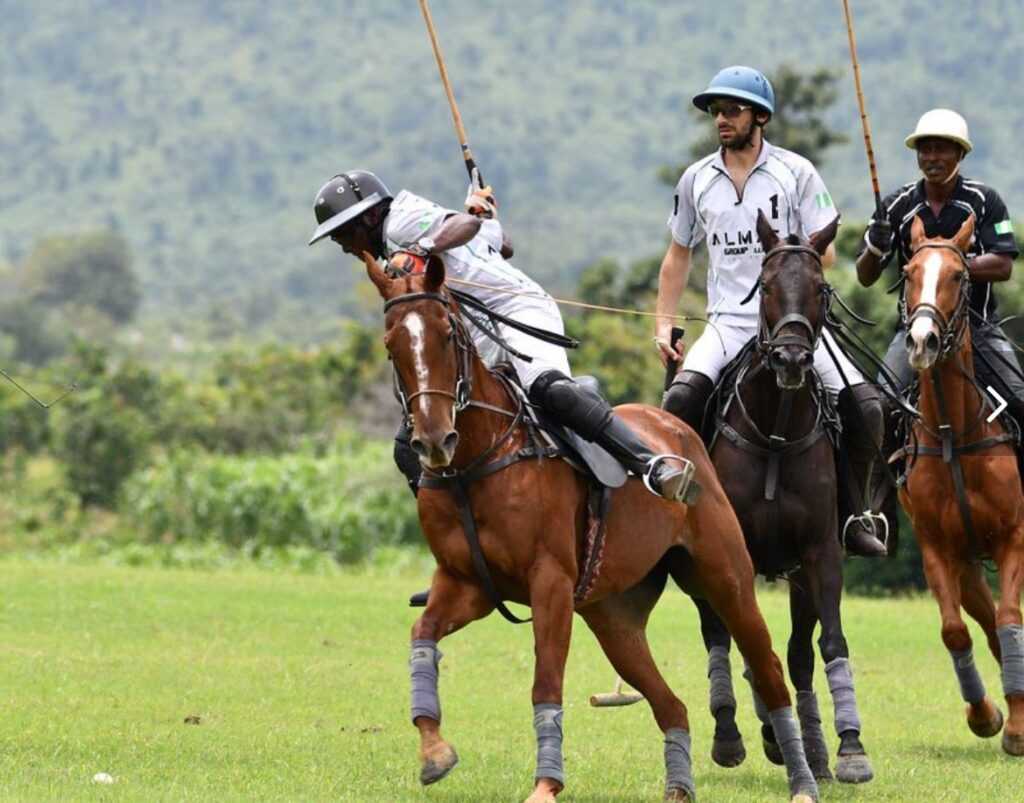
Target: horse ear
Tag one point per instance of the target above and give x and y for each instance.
(765, 233)
(916, 233)
(434, 274)
(821, 240)
(376, 274)
(962, 239)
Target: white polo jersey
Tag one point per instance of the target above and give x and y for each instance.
(708, 207)
(480, 261)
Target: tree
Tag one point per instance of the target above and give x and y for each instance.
(801, 100)
(92, 270)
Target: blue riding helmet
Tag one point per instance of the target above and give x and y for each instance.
(741, 83)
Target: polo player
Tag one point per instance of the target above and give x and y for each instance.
(357, 211)
(943, 199)
(717, 201)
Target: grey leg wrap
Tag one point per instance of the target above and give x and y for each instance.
(423, 669)
(1011, 641)
(759, 707)
(972, 689)
(787, 734)
(720, 675)
(547, 722)
(840, 683)
(810, 716)
(678, 769)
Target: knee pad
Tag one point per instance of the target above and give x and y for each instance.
(688, 396)
(580, 408)
(406, 460)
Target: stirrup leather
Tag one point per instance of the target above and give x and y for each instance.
(690, 489)
(869, 517)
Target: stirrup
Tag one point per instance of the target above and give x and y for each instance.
(689, 489)
(868, 517)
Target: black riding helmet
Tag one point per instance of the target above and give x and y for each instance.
(345, 197)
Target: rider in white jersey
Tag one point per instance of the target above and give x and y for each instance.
(356, 210)
(717, 201)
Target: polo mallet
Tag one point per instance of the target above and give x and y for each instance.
(44, 405)
(460, 130)
(863, 112)
(615, 698)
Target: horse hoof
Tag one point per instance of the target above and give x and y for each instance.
(678, 795)
(541, 797)
(985, 727)
(821, 772)
(438, 765)
(728, 753)
(854, 769)
(801, 798)
(1013, 743)
(773, 753)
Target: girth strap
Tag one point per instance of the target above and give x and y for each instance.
(458, 485)
(951, 457)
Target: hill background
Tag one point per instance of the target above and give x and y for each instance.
(200, 130)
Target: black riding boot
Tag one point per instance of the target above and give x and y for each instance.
(587, 414)
(863, 419)
(687, 399)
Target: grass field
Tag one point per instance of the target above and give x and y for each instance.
(300, 687)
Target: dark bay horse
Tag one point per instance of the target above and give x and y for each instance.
(963, 488)
(777, 466)
(530, 519)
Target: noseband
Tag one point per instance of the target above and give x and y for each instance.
(769, 338)
(951, 329)
(463, 382)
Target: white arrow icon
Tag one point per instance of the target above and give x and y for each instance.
(999, 407)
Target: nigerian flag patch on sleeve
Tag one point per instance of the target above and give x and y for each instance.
(823, 200)
(1004, 227)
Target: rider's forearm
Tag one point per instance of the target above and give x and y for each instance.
(990, 267)
(672, 278)
(457, 230)
(869, 268)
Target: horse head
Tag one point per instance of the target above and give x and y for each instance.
(429, 350)
(793, 300)
(936, 294)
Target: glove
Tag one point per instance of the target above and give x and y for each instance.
(879, 238)
(480, 200)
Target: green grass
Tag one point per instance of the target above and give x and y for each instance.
(301, 687)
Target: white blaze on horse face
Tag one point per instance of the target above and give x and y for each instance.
(929, 292)
(413, 324)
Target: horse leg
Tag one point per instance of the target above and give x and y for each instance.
(720, 554)
(451, 605)
(618, 623)
(1011, 638)
(551, 601)
(727, 748)
(823, 569)
(943, 576)
(800, 657)
(984, 719)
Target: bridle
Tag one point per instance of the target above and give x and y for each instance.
(771, 338)
(953, 328)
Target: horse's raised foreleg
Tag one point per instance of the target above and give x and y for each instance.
(800, 658)
(943, 575)
(618, 623)
(1011, 638)
(823, 569)
(452, 604)
(727, 748)
(720, 554)
(551, 590)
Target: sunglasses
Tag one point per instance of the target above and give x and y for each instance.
(729, 110)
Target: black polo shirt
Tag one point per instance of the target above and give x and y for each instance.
(993, 231)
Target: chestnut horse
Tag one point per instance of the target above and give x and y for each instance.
(962, 490)
(777, 465)
(530, 520)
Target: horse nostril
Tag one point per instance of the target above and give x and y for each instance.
(806, 359)
(932, 343)
(909, 342)
(451, 440)
(418, 447)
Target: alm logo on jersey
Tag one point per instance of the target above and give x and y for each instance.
(823, 200)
